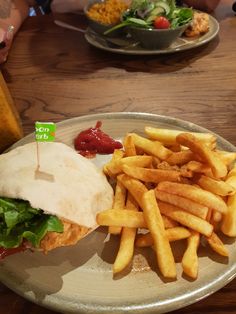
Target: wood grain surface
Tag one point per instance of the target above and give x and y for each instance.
(53, 74)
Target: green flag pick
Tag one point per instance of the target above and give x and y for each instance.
(45, 131)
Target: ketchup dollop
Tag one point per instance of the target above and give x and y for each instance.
(93, 140)
(6, 252)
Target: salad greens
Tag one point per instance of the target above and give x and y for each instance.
(142, 13)
(18, 221)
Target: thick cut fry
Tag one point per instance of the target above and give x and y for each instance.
(169, 223)
(129, 147)
(186, 219)
(183, 203)
(227, 157)
(216, 216)
(218, 168)
(232, 172)
(190, 258)
(152, 175)
(113, 167)
(217, 245)
(168, 137)
(126, 249)
(195, 194)
(173, 234)
(228, 226)
(150, 147)
(181, 158)
(121, 218)
(135, 187)
(119, 202)
(165, 258)
(217, 187)
(231, 178)
(198, 167)
(136, 161)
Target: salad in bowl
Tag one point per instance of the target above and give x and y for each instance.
(155, 23)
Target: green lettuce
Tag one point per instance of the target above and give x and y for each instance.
(19, 221)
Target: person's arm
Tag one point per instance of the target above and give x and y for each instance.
(12, 13)
(204, 5)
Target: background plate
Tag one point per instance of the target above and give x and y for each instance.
(181, 44)
(79, 279)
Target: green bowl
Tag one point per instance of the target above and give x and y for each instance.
(156, 38)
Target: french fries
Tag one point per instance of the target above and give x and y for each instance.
(190, 258)
(217, 166)
(121, 218)
(126, 250)
(184, 203)
(168, 137)
(195, 194)
(152, 175)
(228, 226)
(152, 215)
(173, 234)
(186, 219)
(153, 148)
(217, 187)
(179, 185)
(135, 187)
(119, 202)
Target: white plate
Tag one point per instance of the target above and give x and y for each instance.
(79, 279)
(180, 44)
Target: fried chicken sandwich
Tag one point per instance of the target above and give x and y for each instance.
(52, 210)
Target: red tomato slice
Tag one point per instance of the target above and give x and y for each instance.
(161, 22)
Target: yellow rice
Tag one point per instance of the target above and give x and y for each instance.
(107, 12)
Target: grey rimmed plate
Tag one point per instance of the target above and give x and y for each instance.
(129, 46)
(79, 279)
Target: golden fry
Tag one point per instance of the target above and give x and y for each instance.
(228, 226)
(181, 158)
(169, 223)
(119, 202)
(126, 249)
(168, 137)
(198, 167)
(136, 161)
(135, 187)
(150, 147)
(129, 147)
(121, 218)
(152, 175)
(227, 157)
(190, 258)
(231, 178)
(165, 258)
(173, 234)
(113, 167)
(195, 194)
(183, 203)
(217, 187)
(218, 168)
(186, 219)
(217, 245)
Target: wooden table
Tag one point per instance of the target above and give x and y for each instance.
(54, 74)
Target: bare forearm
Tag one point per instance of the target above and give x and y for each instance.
(13, 12)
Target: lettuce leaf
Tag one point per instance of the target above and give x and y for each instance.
(19, 221)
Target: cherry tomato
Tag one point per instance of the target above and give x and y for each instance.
(161, 22)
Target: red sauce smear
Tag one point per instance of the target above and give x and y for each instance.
(6, 252)
(93, 140)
